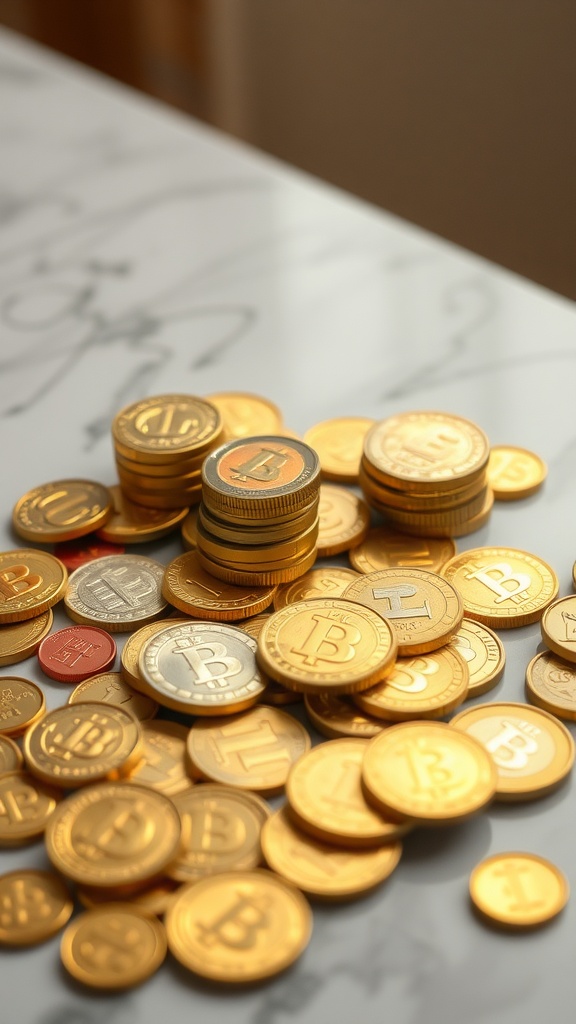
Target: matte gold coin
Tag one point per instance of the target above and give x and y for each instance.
(515, 472)
(551, 685)
(416, 770)
(260, 578)
(260, 475)
(62, 510)
(10, 755)
(326, 644)
(558, 627)
(337, 717)
(21, 704)
(221, 829)
(240, 926)
(484, 654)
(518, 890)
(166, 428)
(428, 686)
(257, 531)
(246, 415)
(257, 556)
(319, 869)
(35, 906)
(339, 443)
(423, 611)
(328, 581)
(111, 688)
(253, 750)
(532, 751)
(19, 640)
(25, 807)
(344, 520)
(113, 947)
(325, 797)
(188, 528)
(162, 764)
(31, 581)
(113, 834)
(502, 587)
(131, 650)
(153, 901)
(385, 548)
(194, 591)
(118, 592)
(81, 743)
(134, 524)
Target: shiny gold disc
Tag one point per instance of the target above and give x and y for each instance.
(339, 443)
(117, 592)
(260, 578)
(551, 685)
(194, 591)
(483, 652)
(428, 686)
(261, 475)
(10, 755)
(62, 510)
(113, 947)
(35, 906)
(328, 581)
(256, 556)
(246, 415)
(19, 640)
(31, 581)
(162, 764)
(258, 531)
(166, 428)
(134, 524)
(502, 587)
(344, 520)
(532, 751)
(385, 548)
(21, 704)
(518, 890)
(240, 926)
(111, 688)
(515, 472)
(337, 716)
(25, 806)
(558, 627)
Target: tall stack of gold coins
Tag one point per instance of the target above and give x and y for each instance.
(258, 518)
(425, 472)
(160, 444)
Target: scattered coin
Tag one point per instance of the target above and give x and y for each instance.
(134, 524)
(194, 591)
(337, 716)
(558, 627)
(31, 581)
(246, 415)
(328, 581)
(428, 686)
(35, 906)
(120, 592)
(551, 685)
(515, 472)
(61, 510)
(339, 444)
(385, 548)
(22, 703)
(162, 764)
(74, 553)
(518, 890)
(76, 652)
(483, 652)
(10, 755)
(111, 688)
(344, 520)
(113, 947)
(25, 807)
(19, 640)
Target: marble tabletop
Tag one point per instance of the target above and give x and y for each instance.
(143, 253)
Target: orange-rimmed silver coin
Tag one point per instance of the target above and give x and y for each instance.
(502, 587)
(62, 510)
(31, 581)
(266, 474)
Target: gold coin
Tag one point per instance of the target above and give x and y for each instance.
(416, 770)
(385, 548)
(188, 528)
(558, 627)
(502, 587)
(328, 581)
(253, 750)
(273, 519)
(337, 716)
(118, 592)
(239, 926)
(325, 797)
(445, 527)
(62, 510)
(142, 481)
(221, 828)
(339, 443)
(25, 807)
(428, 686)
(551, 685)
(21, 704)
(19, 640)
(326, 644)
(257, 556)
(35, 906)
(515, 472)
(81, 743)
(254, 625)
(319, 869)
(257, 531)
(532, 751)
(194, 591)
(113, 834)
(113, 947)
(422, 610)
(246, 415)
(484, 654)
(431, 522)
(10, 755)
(279, 695)
(344, 520)
(261, 578)
(133, 524)
(518, 890)
(179, 501)
(131, 651)
(261, 475)
(165, 473)
(162, 764)
(166, 428)
(153, 901)
(111, 688)
(425, 503)
(30, 582)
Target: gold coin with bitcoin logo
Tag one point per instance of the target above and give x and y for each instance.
(117, 592)
(428, 686)
(10, 755)
(385, 548)
(515, 472)
(195, 592)
(326, 644)
(532, 751)
(166, 428)
(31, 581)
(325, 581)
(111, 688)
(246, 415)
(260, 474)
(344, 520)
(239, 926)
(484, 654)
(162, 764)
(417, 770)
(551, 685)
(25, 807)
(339, 443)
(35, 906)
(19, 640)
(113, 947)
(558, 627)
(517, 890)
(62, 510)
(21, 704)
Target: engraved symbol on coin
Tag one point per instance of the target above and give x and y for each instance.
(108, 945)
(265, 466)
(496, 584)
(121, 586)
(88, 738)
(513, 745)
(329, 641)
(74, 650)
(569, 624)
(429, 769)
(168, 420)
(238, 926)
(23, 905)
(433, 444)
(515, 887)
(115, 829)
(415, 671)
(215, 656)
(394, 596)
(64, 508)
(17, 579)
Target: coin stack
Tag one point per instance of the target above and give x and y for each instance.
(258, 518)
(425, 472)
(160, 444)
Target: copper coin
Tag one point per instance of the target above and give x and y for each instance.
(76, 653)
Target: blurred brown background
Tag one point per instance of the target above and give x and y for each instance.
(456, 114)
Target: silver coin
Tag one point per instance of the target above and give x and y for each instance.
(119, 592)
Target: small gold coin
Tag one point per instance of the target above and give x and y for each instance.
(344, 520)
(111, 688)
(240, 926)
(113, 947)
(337, 717)
(254, 625)
(10, 755)
(21, 704)
(62, 510)
(162, 764)
(35, 906)
(194, 591)
(325, 797)
(518, 890)
(166, 428)
(153, 901)
(423, 611)
(328, 581)
(134, 524)
(532, 751)
(321, 870)
(19, 640)
(81, 743)
(558, 627)
(253, 750)
(188, 528)
(416, 770)
(339, 443)
(118, 592)
(484, 654)
(502, 587)
(31, 581)
(515, 472)
(428, 686)
(246, 415)
(25, 807)
(113, 834)
(551, 685)
(385, 548)
(326, 644)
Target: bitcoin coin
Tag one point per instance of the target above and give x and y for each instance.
(484, 654)
(261, 475)
(162, 764)
(337, 716)
(194, 591)
(166, 428)
(428, 686)
(502, 587)
(25, 807)
(551, 685)
(246, 415)
(558, 627)
(344, 520)
(328, 581)
(61, 510)
(385, 548)
(111, 688)
(35, 906)
(239, 926)
(532, 751)
(76, 652)
(416, 770)
(518, 890)
(339, 443)
(120, 592)
(133, 524)
(515, 472)
(10, 756)
(19, 640)
(30, 582)
(113, 947)
(21, 704)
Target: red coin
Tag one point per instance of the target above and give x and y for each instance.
(75, 553)
(76, 653)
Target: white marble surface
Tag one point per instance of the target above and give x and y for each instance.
(142, 253)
